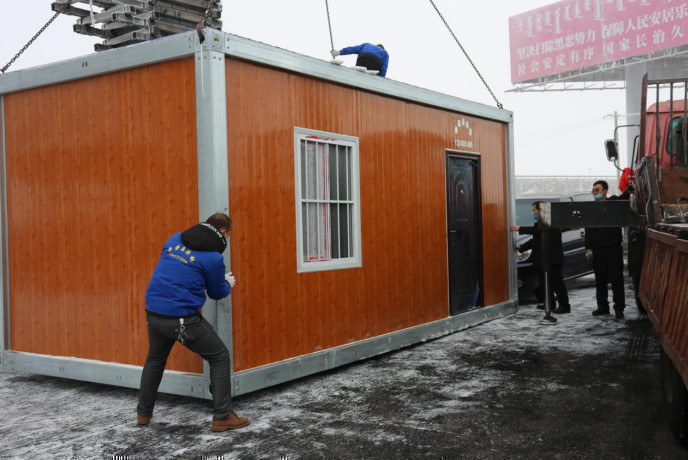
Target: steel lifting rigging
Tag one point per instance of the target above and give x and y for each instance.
(499, 104)
(329, 24)
(123, 22)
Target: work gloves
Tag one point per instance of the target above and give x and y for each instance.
(588, 254)
(334, 53)
(230, 279)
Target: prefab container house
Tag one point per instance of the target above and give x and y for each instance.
(368, 214)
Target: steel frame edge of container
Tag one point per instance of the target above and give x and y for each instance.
(511, 208)
(243, 382)
(4, 260)
(213, 174)
(214, 197)
(187, 44)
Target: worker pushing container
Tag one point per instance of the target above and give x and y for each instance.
(368, 214)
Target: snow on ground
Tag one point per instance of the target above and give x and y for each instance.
(456, 395)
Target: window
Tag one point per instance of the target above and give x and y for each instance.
(675, 142)
(328, 229)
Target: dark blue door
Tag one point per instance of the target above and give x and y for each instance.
(465, 242)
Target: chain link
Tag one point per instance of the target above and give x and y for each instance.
(499, 104)
(207, 12)
(329, 24)
(16, 56)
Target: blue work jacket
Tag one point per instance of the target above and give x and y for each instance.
(182, 277)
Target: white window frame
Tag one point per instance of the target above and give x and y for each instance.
(336, 139)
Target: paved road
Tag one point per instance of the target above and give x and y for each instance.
(584, 388)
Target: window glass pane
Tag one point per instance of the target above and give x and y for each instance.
(323, 172)
(524, 213)
(325, 231)
(303, 168)
(304, 231)
(317, 233)
(342, 167)
(344, 239)
(675, 140)
(312, 232)
(333, 171)
(334, 213)
(350, 215)
(310, 177)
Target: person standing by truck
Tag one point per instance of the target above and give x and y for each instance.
(556, 263)
(603, 248)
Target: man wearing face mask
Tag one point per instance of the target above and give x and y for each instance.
(603, 248)
(190, 265)
(556, 254)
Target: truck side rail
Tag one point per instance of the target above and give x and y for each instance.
(674, 331)
(664, 294)
(659, 252)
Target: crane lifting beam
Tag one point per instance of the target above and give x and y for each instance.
(123, 22)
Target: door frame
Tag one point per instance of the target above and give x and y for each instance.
(474, 156)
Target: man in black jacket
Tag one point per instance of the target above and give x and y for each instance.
(603, 247)
(556, 259)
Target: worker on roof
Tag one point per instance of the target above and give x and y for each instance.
(372, 57)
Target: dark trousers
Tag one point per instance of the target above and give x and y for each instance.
(556, 285)
(369, 61)
(607, 263)
(201, 339)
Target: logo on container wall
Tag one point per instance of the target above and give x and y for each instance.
(463, 134)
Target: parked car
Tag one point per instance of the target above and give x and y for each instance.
(573, 241)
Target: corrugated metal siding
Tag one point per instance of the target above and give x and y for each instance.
(277, 313)
(99, 172)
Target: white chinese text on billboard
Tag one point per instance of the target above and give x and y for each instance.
(574, 34)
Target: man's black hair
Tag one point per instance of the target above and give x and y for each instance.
(220, 221)
(603, 183)
(380, 46)
(537, 204)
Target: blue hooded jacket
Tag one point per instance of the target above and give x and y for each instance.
(367, 48)
(191, 263)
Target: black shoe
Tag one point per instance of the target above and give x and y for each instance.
(619, 314)
(600, 312)
(540, 307)
(560, 310)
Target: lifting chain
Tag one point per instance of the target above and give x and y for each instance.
(16, 56)
(499, 104)
(329, 24)
(204, 22)
(211, 3)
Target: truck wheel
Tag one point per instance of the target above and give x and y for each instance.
(675, 398)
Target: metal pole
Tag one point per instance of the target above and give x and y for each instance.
(616, 141)
(545, 264)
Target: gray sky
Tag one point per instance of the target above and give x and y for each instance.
(555, 133)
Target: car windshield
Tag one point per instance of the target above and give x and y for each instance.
(524, 213)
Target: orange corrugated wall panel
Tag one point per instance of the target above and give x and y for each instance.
(278, 313)
(100, 172)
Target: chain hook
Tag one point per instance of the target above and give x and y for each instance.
(204, 22)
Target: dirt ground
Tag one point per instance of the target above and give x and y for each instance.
(585, 388)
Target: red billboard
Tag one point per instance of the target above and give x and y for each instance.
(574, 34)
